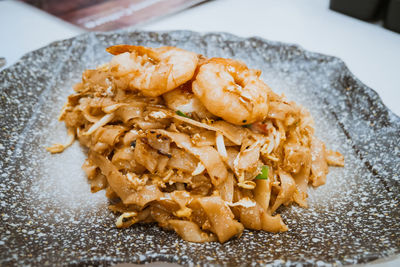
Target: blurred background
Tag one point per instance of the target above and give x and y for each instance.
(363, 33)
(105, 15)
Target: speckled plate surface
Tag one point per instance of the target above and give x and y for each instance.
(49, 216)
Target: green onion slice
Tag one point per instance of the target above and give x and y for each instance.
(264, 173)
(180, 113)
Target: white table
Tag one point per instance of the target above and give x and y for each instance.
(371, 52)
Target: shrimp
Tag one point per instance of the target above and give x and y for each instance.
(228, 89)
(153, 71)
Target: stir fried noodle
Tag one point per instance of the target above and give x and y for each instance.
(202, 146)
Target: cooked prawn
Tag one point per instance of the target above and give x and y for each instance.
(230, 90)
(153, 71)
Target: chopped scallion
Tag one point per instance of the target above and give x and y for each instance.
(180, 113)
(264, 173)
(246, 126)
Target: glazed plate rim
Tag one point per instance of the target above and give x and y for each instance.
(373, 96)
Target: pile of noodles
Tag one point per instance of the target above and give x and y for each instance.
(205, 178)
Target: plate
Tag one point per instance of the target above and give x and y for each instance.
(49, 216)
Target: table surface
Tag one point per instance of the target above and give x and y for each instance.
(370, 51)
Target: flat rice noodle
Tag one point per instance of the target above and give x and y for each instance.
(233, 132)
(160, 144)
(99, 182)
(101, 102)
(319, 166)
(123, 158)
(248, 158)
(208, 156)
(182, 198)
(108, 134)
(229, 143)
(73, 99)
(146, 156)
(199, 216)
(296, 156)
(90, 118)
(121, 208)
(300, 195)
(162, 163)
(145, 195)
(221, 218)
(90, 169)
(110, 194)
(126, 113)
(83, 103)
(78, 88)
(226, 188)
(168, 204)
(306, 121)
(287, 189)
(232, 154)
(262, 192)
(250, 217)
(204, 138)
(161, 215)
(200, 185)
(101, 148)
(182, 160)
(130, 137)
(190, 231)
(301, 178)
(180, 177)
(334, 158)
(282, 133)
(84, 140)
(148, 125)
(194, 122)
(120, 184)
(273, 224)
(144, 216)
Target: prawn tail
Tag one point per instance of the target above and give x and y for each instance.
(140, 50)
(119, 49)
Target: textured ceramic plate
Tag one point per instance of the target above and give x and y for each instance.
(49, 216)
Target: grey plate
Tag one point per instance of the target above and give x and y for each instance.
(49, 216)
